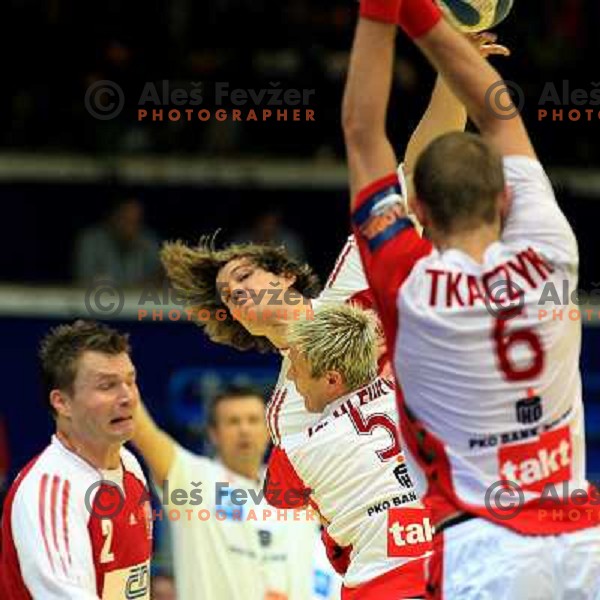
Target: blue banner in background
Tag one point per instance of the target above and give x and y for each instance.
(179, 370)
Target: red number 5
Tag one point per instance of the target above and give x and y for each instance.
(503, 342)
(366, 426)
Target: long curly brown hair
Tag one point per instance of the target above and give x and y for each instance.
(192, 271)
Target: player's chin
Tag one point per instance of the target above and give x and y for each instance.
(267, 314)
(122, 429)
(250, 455)
(254, 320)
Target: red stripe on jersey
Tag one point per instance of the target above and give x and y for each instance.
(42, 514)
(283, 487)
(11, 579)
(276, 416)
(339, 264)
(338, 556)
(54, 518)
(272, 403)
(407, 581)
(65, 506)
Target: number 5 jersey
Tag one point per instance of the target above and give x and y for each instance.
(349, 467)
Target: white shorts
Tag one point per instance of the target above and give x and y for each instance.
(485, 561)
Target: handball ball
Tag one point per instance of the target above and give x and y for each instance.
(475, 15)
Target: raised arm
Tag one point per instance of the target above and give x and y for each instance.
(156, 446)
(470, 77)
(364, 107)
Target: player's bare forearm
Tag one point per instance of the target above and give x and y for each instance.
(444, 113)
(364, 108)
(470, 76)
(156, 446)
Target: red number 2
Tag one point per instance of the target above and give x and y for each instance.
(503, 342)
(366, 426)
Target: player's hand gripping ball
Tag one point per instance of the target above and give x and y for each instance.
(475, 15)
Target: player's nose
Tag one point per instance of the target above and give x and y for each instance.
(127, 394)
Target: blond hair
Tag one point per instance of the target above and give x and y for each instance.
(340, 337)
(192, 271)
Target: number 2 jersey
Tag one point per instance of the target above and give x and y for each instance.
(487, 355)
(349, 467)
(68, 533)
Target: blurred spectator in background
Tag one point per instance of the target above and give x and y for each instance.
(268, 228)
(120, 249)
(163, 588)
(227, 543)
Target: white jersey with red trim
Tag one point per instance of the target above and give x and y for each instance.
(69, 533)
(349, 466)
(489, 368)
(286, 414)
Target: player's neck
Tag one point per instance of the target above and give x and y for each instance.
(99, 456)
(474, 242)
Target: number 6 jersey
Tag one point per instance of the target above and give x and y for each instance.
(487, 355)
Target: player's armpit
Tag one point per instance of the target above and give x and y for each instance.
(339, 557)
(156, 447)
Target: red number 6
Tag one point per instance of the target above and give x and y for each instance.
(503, 342)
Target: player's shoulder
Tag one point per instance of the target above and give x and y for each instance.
(522, 168)
(57, 462)
(347, 276)
(55, 475)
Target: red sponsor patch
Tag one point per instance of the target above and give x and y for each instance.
(410, 532)
(534, 464)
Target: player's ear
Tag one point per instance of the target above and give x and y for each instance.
(334, 378)
(420, 211)
(60, 403)
(505, 202)
(289, 279)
